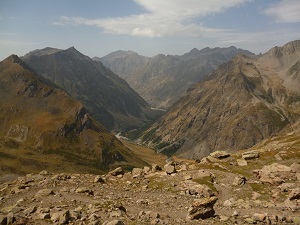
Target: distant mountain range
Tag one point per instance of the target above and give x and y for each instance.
(243, 102)
(108, 98)
(162, 80)
(43, 127)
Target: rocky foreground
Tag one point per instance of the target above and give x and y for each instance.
(254, 187)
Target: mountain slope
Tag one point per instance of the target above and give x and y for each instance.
(123, 63)
(245, 101)
(42, 126)
(162, 80)
(108, 97)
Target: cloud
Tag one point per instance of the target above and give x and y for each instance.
(285, 11)
(167, 18)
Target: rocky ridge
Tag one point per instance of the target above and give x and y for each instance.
(161, 80)
(214, 191)
(123, 63)
(109, 98)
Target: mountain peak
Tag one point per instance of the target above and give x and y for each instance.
(71, 49)
(12, 58)
(194, 50)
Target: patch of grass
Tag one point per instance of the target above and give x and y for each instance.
(134, 134)
(7, 156)
(145, 153)
(149, 135)
(207, 181)
(11, 144)
(162, 145)
(261, 189)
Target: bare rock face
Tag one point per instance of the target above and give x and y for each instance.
(220, 154)
(202, 208)
(250, 155)
(275, 173)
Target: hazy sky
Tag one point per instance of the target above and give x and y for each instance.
(149, 27)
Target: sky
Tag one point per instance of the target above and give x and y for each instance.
(148, 27)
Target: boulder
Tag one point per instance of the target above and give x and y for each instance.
(295, 194)
(194, 188)
(44, 192)
(61, 217)
(116, 172)
(260, 217)
(137, 172)
(83, 190)
(274, 173)
(212, 159)
(285, 187)
(148, 215)
(156, 168)
(295, 167)
(169, 168)
(239, 180)
(45, 173)
(202, 208)
(242, 162)
(220, 154)
(99, 179)
(147, 169)
(30, 210)
(250, 155)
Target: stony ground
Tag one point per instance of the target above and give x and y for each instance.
(245, 188)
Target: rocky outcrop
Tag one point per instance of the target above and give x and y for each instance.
(202, 208)
(275, 173)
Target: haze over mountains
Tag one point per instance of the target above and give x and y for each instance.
(108, 98)
(44, 127)
(244, 101)
(162, 80)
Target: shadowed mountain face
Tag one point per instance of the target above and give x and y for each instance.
(243, 102)
(42, 126)
(108, 97)
(162, 80)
